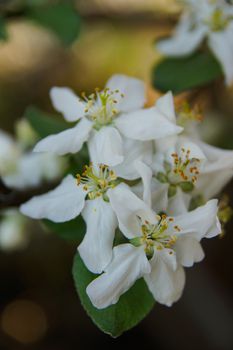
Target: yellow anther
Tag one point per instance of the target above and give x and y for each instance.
(184, 167)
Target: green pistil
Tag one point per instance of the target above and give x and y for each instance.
(154, 236)
(182, 174)
(186, 113)
(96, 182)
(101, 107)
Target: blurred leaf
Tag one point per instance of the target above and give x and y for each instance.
(61, 18)
(72, 230)
(3, 31)
(132, 307)
(43, 123)
(78, 161)
(180, 74)
(36, 2)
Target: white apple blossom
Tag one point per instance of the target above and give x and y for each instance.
(204, 19)
(88, 195)
(218, 167)
(183, 172)
(17, 165)
(183, 164)
(104, 118)
(158, 248)
(176, 173)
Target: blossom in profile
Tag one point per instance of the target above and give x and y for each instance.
(20, 168)
(204, 19)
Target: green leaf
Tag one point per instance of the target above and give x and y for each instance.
(43, 123)
(180, 74)
(72, 230)
(61, 18)
(132, 307)
(78, 161)
(3, 31)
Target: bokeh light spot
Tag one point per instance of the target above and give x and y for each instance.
(24, 321)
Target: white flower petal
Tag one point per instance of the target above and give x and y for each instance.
(128, 207)
(215, 229)
(68, 141)
(200, 221)
(65, 101)
(146, 124)
(96, 247)
(188, 251)
(145, 173)
(220, 44)
(165, 105)
(128, 264)
(209, 189)
(167, 255)
(105, 146)
(159, 196)
(182, 43)
(166, 143)
(133, 150)
(62, 204)
(165, 283)
(218, 167)
(179, 203)
(184, 23)
(158, 161)
(186, 143)
(133, 90)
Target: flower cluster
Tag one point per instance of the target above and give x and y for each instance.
(204, 19)
(150, 177)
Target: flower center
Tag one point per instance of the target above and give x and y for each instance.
(218, 20)
(96, 181)
(101, 106)
(155, 236)
(184, 168)
(183, 171)
(187, 114)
